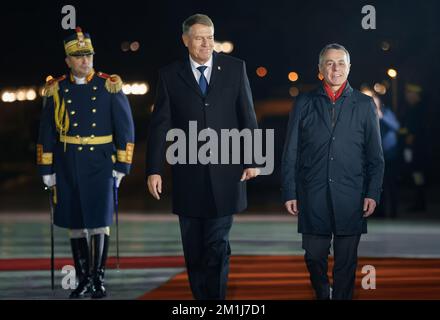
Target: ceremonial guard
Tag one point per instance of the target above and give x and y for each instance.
(85, 147)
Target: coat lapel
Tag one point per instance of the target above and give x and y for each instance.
(188, 76)
(347, 104)
(323, 109)
(216, 70)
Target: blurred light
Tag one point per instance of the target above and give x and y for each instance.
(125, 46)
(143, 88)
(385, 45)
(227, 47)
(8, 96)
(41, 91)
(293, 76)
(392, 73)
(134, 46)
(367, 91)
(217, 47)
(126, 88)
(31, 94)
(293, 91)
(380, 88)
(320, 76)
(21, 95)
(135, 88)
(261, 72)
(152, 108)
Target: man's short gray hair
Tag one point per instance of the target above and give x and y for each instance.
(194, 19)
(333, 46)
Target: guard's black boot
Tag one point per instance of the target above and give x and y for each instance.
(99, 248)
(81, 258)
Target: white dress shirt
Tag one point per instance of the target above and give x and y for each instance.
(79, 80)
(207, 72)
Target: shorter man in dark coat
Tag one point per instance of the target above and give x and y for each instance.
(332, 171)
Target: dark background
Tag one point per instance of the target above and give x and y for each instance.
(283, 36)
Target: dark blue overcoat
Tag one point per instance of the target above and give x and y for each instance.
(332, 160)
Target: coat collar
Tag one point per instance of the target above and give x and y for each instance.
(346, 93)
(322, 107)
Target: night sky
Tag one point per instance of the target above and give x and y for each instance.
(281, 35)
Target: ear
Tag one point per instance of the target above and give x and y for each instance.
(67, 61)
(185, 39)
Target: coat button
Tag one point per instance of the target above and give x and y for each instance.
(333, 138)
(75, 124)
(93, 124)
(77, 136)
(95, 88)
(66, 90)
(94, 110)
(72, 112)
(92, 148)
(331, 158)
(330, 180)
(80, 148)
(93, 98)
(69, 101)
(92, 136)
(206, 104)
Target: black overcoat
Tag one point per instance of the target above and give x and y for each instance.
(227, 105)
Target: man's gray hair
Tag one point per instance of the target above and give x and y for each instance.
(336, 46)
(194, 19)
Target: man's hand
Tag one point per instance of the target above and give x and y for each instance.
(50, 180)
(249, 173)
(369, 206)
(292, 207)
(154, 183)
(118, 175)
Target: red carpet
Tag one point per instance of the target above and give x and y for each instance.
(276, 277)
(286, 277)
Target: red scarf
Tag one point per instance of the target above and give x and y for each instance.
(334, 96)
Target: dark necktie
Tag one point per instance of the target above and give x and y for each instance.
(203, 83)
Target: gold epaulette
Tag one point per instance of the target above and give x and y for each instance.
(52, 86)
(113, 83)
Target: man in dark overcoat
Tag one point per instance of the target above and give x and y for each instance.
(332, 171)
(206, 92)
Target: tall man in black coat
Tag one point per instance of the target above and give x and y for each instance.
(212, 90)
(332, 171)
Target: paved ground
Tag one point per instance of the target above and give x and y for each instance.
(26, 235)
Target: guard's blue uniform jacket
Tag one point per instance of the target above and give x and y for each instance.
(86, 131)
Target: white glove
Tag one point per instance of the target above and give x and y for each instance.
(50, 180)
(118, 175)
